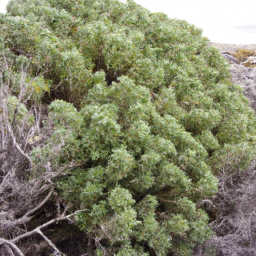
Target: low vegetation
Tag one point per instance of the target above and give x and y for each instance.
(242, 55)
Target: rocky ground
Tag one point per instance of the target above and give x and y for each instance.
(235, 226)
(246, 77)
(241, 75)
(233, 48)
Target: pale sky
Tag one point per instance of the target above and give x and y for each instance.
(222, 21)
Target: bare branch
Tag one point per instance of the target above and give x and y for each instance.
(45, 225)
(8, 250)
(39, 205)
(22, 90)
(12, 246)
(49, 242)
(27, 217)
(6, 178)
(17, 146)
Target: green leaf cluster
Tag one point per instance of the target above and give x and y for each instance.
(143, 107)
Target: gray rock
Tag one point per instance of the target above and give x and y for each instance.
(231, 59)
(232, 48)
(251, 60)
(245, 77)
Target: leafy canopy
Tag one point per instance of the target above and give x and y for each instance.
(143, 107)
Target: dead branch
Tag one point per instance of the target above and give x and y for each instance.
(29, 213)
(21, 197)
(17, 146)
(12, 246)
(49, 242)
(38, 230)
(28, 216)
(236, 223)
(45, 225)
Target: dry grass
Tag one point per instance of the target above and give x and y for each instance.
(242, 55)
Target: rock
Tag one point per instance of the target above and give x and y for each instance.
(231, 59)
(232, 48)
(251, 60)
(245, 77)
(243, 74)
(236, 225)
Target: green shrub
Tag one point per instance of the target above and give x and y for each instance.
(155, 117)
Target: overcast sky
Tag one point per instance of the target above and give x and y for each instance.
(222, 21)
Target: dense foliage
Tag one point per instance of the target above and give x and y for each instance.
(139, 104)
